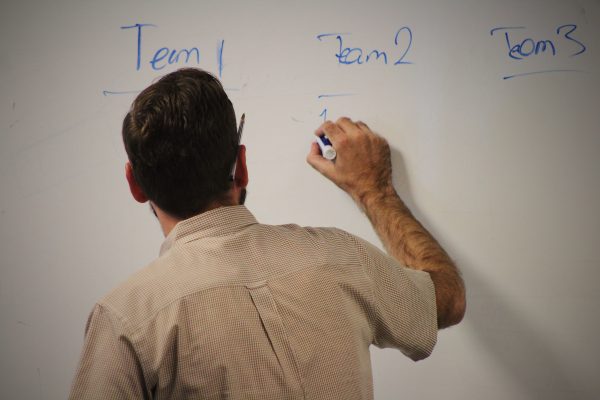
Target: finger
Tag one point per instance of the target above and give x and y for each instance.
(318, 162)
(333, 131)
(314, 150)
(320, 130)
(363, 126)
(347, 125)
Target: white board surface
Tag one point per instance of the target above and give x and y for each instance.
(491, 109)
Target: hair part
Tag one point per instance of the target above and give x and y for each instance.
(181, 139)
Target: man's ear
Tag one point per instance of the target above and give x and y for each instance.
(134, 188)
(241, 169)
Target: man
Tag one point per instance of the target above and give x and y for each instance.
(234, 309)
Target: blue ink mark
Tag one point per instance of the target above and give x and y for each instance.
(139, 41)
(540, 47)
(220, 57)
(324, 114)
(542, 72)
(573, 27)
(345, 52)
(519, 51)
(334, 95)
(188, 53)
(377, 55)
(410, 39)
(357, 55)
(505, 28)
(528, 48)
(114, 92)
(159, 56)
(322, 35)
(173, 56)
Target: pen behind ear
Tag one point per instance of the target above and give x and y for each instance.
(240, 130)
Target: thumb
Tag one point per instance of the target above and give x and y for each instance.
(316, 160)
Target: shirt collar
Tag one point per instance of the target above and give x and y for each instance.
(216, 222)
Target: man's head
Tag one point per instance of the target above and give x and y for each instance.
(181, 139)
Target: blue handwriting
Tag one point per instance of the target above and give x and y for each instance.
(324, 114)
(357, 55)
(521, 49)
(165, 56)
(330, 95)
(563, 42)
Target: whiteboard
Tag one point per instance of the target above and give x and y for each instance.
(490, 107)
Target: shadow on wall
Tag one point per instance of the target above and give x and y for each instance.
(511, 339)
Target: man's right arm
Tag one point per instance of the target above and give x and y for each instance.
(363, 169)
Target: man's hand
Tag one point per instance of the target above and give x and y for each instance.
(363, 169)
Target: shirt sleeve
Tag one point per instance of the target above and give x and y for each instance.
(404, 304)
(108, 367)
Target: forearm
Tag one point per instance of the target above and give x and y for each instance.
(410, 243)
(363, 169)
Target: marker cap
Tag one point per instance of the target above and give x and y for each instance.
(327, 149)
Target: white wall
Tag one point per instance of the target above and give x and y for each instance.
(505, 172)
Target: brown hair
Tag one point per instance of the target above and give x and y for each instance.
(181, 139)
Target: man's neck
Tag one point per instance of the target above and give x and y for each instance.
(168, 222)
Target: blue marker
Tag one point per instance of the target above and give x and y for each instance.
(327, 149)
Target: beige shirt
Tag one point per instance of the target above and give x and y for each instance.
(234, 309)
